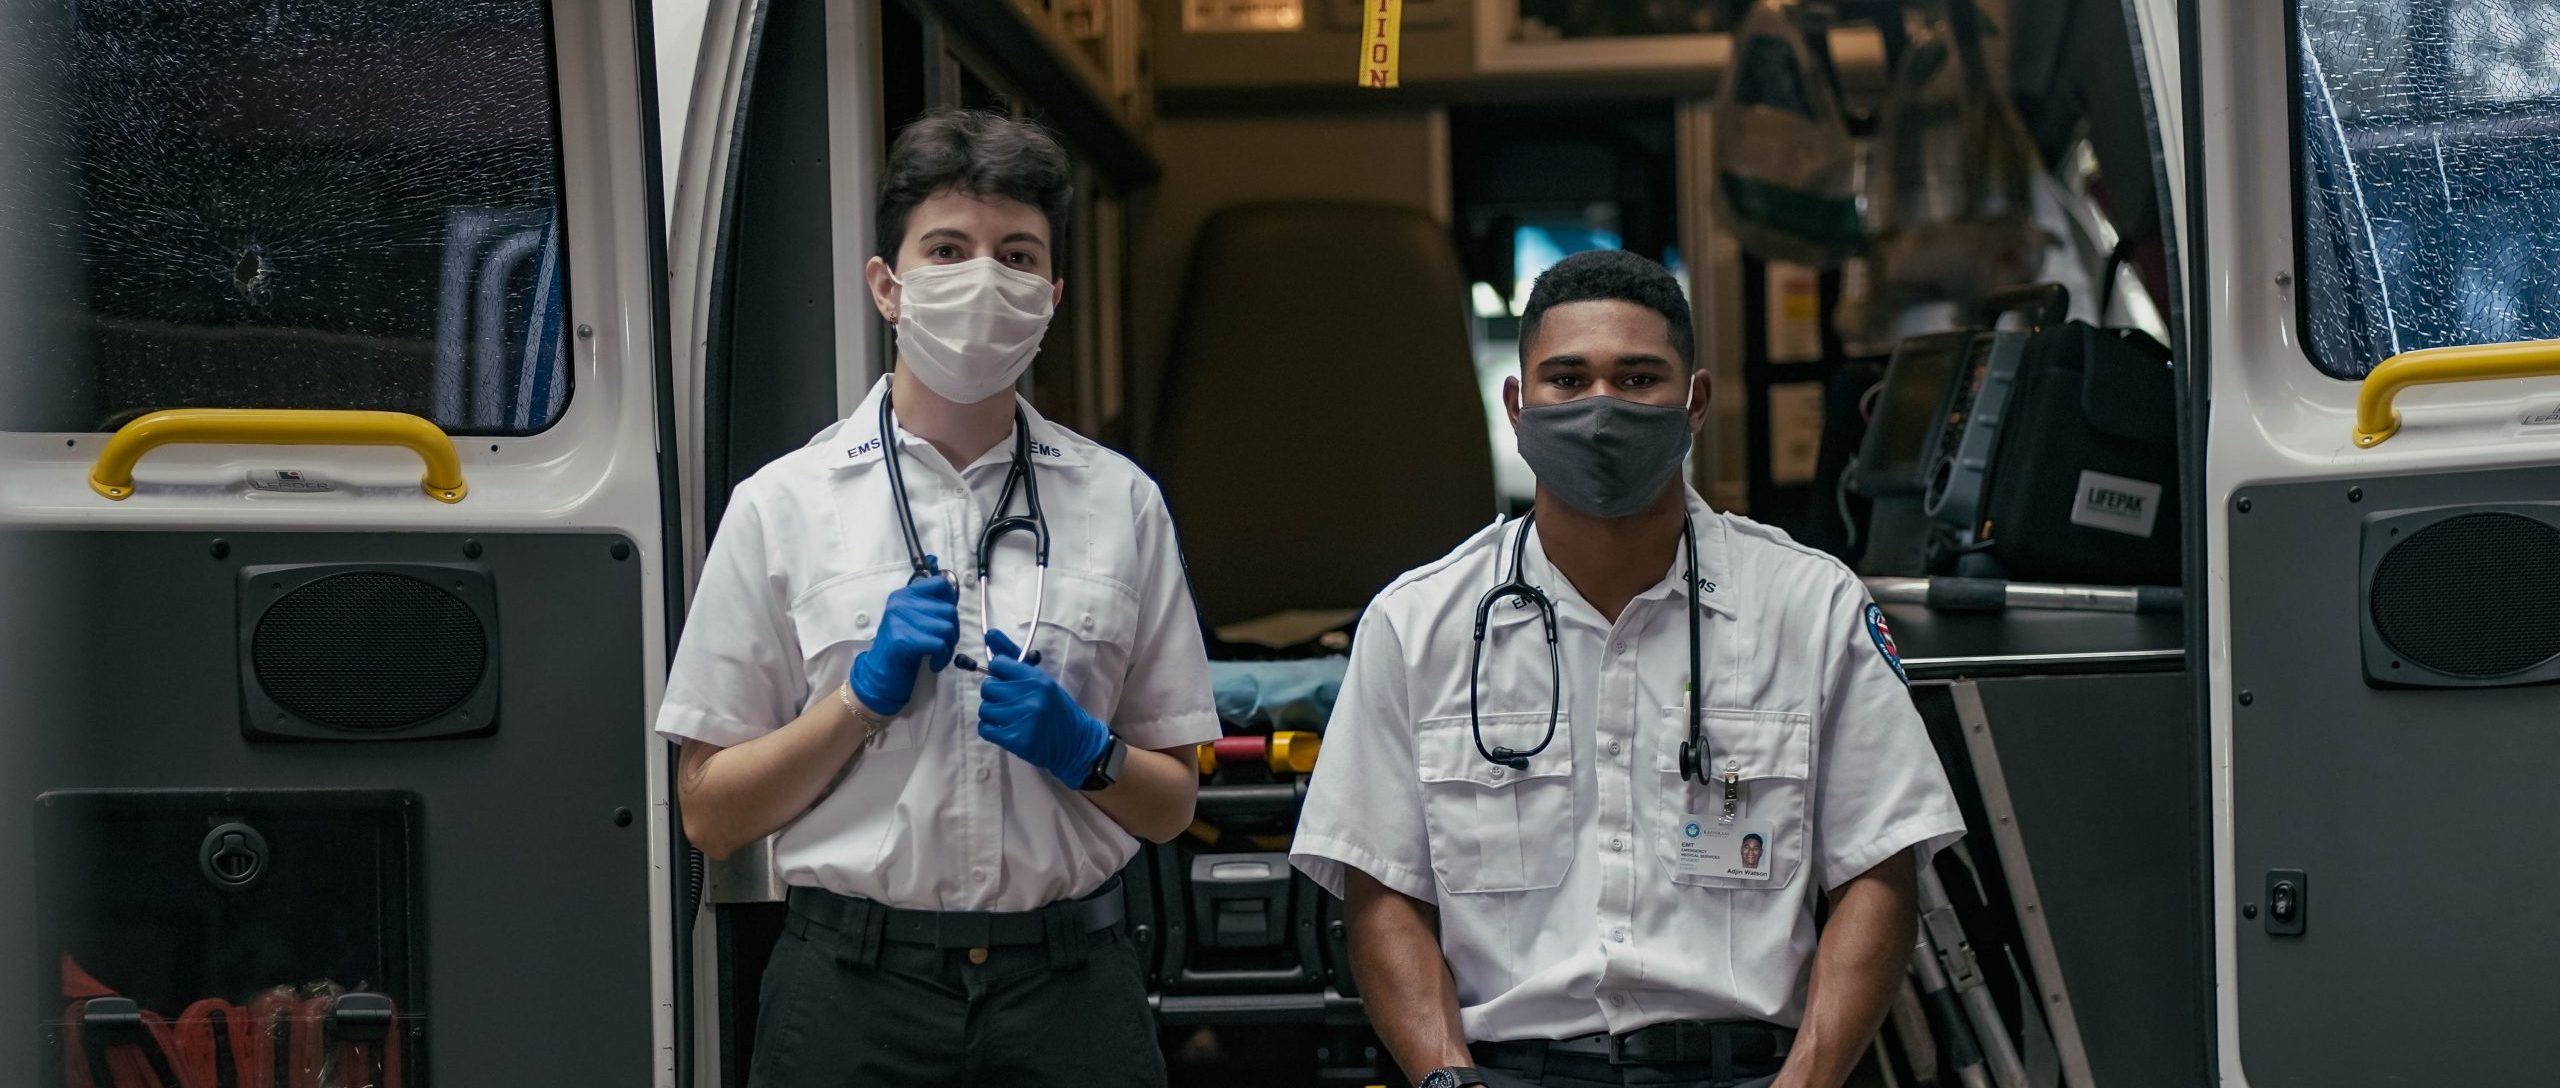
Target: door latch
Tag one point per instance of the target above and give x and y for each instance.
(2287, 890)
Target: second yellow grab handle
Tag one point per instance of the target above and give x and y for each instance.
(112, 476)
(2377, 421)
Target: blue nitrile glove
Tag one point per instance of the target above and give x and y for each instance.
(919, 626)
(1022, 710)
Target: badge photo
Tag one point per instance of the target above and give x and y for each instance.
(1733, 849)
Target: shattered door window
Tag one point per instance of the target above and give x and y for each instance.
(281, 204)
(2429, 133)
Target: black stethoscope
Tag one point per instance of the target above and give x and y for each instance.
(1693, 752)
(1018, 474)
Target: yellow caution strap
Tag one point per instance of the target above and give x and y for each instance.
(1381, 41)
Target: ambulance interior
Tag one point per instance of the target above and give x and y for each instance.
(379, 370)
(1294, 299)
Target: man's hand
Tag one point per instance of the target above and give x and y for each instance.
(1023, 710)
(1856, 968)
(1403, 978)
(920, 626)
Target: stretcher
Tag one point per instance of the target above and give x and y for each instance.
(1285, 752)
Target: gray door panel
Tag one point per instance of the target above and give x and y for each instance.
(533, 841)
(2420, 818)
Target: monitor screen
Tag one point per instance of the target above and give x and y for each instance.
(1893, 458)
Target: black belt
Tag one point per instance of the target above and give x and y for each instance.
(959, 928)
(1748, 1047)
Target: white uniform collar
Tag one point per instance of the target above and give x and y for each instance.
(857, 436)
(1715, 567)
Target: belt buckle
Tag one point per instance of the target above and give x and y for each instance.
(1618, 1049)
(962, 929)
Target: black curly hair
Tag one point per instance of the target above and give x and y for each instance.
(980, 154)
(1601, 274)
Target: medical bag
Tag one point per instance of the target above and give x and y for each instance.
(2083, 485)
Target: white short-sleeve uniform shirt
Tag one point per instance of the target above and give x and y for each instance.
(935, 818)
(1562, 912)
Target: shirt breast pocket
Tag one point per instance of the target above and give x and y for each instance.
(1494, 829)
(836, 622)
(1088, 628)
(1769, 757)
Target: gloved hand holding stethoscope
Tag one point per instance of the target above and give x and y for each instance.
(1024, 710)
(1021, 707)
(919, 629)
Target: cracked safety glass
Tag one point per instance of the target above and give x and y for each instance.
(281, 204)
(2430, 210)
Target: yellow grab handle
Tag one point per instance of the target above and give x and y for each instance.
(2377, 421)
(112, 476)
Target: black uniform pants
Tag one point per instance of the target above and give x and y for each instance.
(855, 1010)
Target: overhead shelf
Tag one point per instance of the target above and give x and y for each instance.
(1040, 65)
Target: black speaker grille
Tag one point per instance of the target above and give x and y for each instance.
(369, 650)
(2475, 596)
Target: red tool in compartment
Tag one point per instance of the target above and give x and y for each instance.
(108, 1041)
(319, 1037)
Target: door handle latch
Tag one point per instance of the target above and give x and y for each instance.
(2287, 891)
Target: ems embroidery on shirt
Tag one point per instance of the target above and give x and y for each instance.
(1878, 630)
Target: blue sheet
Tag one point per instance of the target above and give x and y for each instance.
(1278, 694)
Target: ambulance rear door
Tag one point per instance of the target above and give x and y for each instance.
(334, 476)
(2378, 301)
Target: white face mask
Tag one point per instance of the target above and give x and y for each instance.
(968, 330)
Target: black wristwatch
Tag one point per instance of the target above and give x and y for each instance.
(1106, 767)
(1455, 1076)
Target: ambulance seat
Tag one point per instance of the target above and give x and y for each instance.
(1321, 430)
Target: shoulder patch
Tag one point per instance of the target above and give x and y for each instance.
(1882, 633)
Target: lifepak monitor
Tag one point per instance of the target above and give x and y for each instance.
(1894, 458)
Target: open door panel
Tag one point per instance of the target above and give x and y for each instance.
(2385, 549)
(331, 482)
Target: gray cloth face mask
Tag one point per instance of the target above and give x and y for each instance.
(1605, 456)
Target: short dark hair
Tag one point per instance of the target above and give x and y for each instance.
(1601, 274)
(980, 154)
(1755, 838)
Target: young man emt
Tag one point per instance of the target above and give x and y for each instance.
(1548, 876)
(947, 652)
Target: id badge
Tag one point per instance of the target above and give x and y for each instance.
(1740, 850)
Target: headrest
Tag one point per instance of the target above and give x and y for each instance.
(1322, 429)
